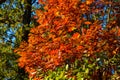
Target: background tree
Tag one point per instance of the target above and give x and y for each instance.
(15, 19)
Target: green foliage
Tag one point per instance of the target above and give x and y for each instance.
(10, 13)
(87, 68)
(8, 64)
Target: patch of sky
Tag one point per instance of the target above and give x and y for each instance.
(36, 4)
(113, 71)
(83, 0)
(11, 31)
(100, 63)
(84, 16)
(7, 78)
(111, 12)
(105, 8)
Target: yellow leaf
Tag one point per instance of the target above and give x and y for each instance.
(57, 13)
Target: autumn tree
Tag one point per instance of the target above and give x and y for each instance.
(67, 31)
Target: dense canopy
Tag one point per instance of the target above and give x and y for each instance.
(67, 30)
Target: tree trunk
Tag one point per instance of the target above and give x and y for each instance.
(27, 19)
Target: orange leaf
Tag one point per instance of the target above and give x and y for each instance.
(79, 47)
(87, 22)
(56, 62)
(89, 2)
(53, 52)
(75, 35)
